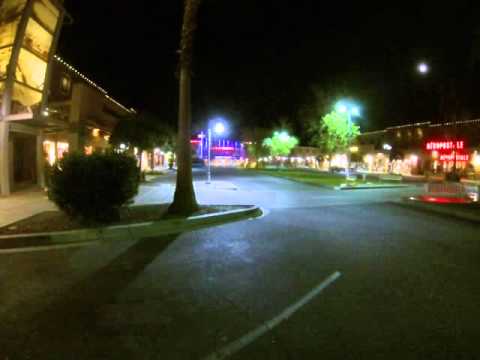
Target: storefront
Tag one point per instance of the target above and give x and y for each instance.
(423, 148)
(445, 156)
(29, 31)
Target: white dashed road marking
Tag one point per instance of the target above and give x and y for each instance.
(247, 339)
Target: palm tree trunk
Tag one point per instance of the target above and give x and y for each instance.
(184, 201)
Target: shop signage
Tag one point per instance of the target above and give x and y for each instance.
(445, 145)
(450, 157)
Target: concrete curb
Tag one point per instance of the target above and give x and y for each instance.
(438, 209)
(136, 231)
(393, 186)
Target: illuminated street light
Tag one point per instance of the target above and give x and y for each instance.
(423, 68)
(284, 137)
(352, 110)
(342, 108)
(219, 128)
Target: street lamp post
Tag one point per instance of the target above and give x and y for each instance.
(209, 173)
(219, 128)
(350, 110)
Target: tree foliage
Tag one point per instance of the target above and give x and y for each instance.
(280, 144)
(334, 132)
(144, 131)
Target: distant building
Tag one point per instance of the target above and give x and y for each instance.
(421, 147)
(29, 31)
(224, 152)
(81, 115)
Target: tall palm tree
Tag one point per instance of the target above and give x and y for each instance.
(184, 202)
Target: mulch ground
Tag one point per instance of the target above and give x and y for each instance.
(50, 221)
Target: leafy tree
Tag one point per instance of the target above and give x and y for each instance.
(280, 144)
(184, 200)
(143, 131)
(334, 132)
(255, 136)
(317, 104)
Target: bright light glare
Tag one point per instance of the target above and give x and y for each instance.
(284, 136)
(423, 68)
(387, 147)
(476, 160)
(348, 107)
(219, 128)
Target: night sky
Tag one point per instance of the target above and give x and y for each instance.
(257, 61)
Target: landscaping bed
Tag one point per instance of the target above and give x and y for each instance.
(452, 208)
(54, 221)
(318, 178)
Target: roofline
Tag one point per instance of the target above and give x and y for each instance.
(92, 83)
(426, 123)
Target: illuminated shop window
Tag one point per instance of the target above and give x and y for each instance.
(49, 151)
(11, 8)
(46, 13)
(52, 153)
(31, 70)
(8, 32)
(25, 100)
(37, 39)
(5, 55)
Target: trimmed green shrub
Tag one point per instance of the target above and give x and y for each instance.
(93, 188)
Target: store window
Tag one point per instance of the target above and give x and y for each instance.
(8, 32)
(46, 13)
(54, 153)
(31, 70)
(37, 39)
(5, 55)
(11, 8)
(25, 100)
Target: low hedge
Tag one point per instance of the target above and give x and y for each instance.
(93, 188)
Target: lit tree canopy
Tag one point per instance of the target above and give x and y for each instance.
(333, 132)
(280, 144)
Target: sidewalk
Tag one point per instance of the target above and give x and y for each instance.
(23, 204)
(28, 203)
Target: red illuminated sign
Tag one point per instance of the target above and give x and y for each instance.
(223, 148)
(446, 145)
(450, 157)
(448, 150)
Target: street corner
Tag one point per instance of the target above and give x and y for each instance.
(89, 236)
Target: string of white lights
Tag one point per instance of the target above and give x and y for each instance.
(92, 83)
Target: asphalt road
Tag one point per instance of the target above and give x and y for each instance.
(409, 285)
